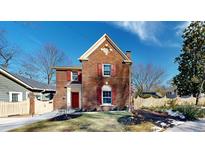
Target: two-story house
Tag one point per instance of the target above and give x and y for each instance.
(104, 79)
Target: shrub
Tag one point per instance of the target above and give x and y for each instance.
(157, 108)
(172, 103)
(145, 96)
(191, 112)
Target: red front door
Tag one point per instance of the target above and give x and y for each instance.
(75, 100)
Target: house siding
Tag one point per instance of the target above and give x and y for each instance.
(91, 80)
(7, 85)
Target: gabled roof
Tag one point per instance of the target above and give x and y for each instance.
(28, 83)
(98, 43)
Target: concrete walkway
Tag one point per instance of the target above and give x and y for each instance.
(7, 124)
(190, 126)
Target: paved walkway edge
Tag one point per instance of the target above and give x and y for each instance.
(190, 126)
(9, 126)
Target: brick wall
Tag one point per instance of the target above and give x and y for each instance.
(63, 77)
(91, 81)
(61, 90)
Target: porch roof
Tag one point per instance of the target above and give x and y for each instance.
(67, 67)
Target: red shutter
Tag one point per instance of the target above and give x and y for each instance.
(99, 69)
(113, 68)
(80, 76)
(113, 95)
(99, 96)
(69, 75)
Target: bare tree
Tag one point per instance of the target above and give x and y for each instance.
(49, 57)
(7, 52)
(146, 77)
(29, 67)
(40, 65)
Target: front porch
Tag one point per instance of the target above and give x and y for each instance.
(74, 94)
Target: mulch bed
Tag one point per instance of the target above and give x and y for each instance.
(64, 117)
(161, 119)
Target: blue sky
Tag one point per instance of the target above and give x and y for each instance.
(156, 43)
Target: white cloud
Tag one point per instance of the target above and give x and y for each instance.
(171, 44)
(146, 31)
(35, 40)
(180, 27)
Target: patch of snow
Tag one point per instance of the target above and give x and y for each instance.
(157, 129)
(203, 107)
(176, 123)
(170, 122)
(175, 114)
(90, 112)
(163, 124)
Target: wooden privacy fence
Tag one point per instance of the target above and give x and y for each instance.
(24, 107)
(14, 108)
(43, 106)
(157, 102)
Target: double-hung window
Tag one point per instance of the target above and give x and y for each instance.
(74, 76)
(107, 97)
(15, 96)
(106, 69)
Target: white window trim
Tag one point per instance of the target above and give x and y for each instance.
(106, 88)
(103, 70)
(72, 77)
(108, 104)
(27, 95)
(20, 97)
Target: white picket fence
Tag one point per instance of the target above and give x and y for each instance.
(22, 108)
(14, 108)
(157, 102)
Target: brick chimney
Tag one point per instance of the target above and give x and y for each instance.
(128, 54)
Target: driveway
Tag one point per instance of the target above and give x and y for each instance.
(7, 124)
(191, 126)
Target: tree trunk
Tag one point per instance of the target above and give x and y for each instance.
(200, 91)
(48, 81)
(197, 98)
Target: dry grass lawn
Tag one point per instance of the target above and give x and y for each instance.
(88, 122)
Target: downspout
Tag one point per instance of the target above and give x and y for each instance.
(81, 97)
(130, 88)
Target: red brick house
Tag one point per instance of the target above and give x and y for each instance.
(104, 79)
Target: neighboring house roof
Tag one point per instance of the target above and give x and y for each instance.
(29, 83)
(35, 84)
(153, 94)
(67, 68)
(73, 83)
(98, 43)
(171, 89)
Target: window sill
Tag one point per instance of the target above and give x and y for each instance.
(75, 80)
(106, 105)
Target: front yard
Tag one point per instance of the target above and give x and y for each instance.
(146, 120)
(89, 122)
